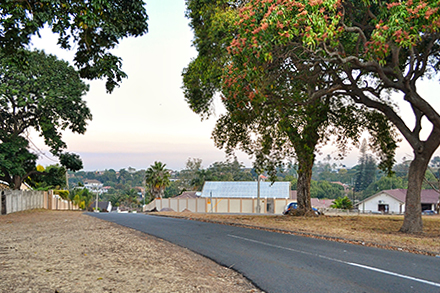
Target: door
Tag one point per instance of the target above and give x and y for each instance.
(384, 208)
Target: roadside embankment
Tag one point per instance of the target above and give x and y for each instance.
(64, 251)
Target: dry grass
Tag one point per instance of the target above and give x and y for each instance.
(372, 230)
(61, 251)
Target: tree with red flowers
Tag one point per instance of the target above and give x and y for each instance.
(269, 114)
(371, 52)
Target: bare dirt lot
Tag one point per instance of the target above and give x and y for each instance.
(371, 230)
(54, 251)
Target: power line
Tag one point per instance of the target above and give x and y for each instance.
(38, 150)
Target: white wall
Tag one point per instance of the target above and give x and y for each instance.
(219, 205)
(373, 204)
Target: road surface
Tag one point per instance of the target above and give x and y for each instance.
(278, 262)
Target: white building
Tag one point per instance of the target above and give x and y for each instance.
(93, 185)
(393, 201)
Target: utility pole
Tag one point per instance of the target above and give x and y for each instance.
(212, 204)
(258, 195)
(96, 202)
(67, 180)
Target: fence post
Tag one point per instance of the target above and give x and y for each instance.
(2, 203)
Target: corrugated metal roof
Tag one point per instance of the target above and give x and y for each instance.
(245, 189)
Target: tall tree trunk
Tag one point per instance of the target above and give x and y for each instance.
(303, 184)
(412, 222)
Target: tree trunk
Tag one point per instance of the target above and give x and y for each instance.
(17, 180)
(412, 222)
(303, 185)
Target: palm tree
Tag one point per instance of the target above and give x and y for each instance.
(157, 178)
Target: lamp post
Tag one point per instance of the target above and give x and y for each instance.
(96, 202)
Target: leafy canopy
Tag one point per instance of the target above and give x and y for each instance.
(368, 49)
(92, 28)
(157, 178)
(45, 96)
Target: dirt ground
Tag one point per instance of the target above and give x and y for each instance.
(58, 251)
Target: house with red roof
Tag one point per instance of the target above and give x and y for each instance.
(319, 203)
(393, 201)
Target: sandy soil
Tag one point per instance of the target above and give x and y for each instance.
(50, 251)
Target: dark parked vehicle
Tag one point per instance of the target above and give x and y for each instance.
(294, 205)
(428, 212)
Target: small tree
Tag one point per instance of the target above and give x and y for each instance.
(366, 171)
(342, 203)
(157, 178)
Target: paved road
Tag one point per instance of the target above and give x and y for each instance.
(286, 263)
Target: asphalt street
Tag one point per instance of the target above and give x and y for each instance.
(278, 262)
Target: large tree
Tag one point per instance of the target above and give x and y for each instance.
(92, 28)
(268, 112)
(45, 96)
(369, 49)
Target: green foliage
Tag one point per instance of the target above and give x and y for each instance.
(45, 96)
(129, 198)
(272, 112)
(212, 23)
(64, 194)
(193, 177)
(325, 189)
(342, 203)
(366, 50)
(82, 197)
(366, 172)
(71, 161)
(15, 160)
(53, 177)
(157, 178)
(91, 28)
(228, 171)
(172, 190)
(385, 183)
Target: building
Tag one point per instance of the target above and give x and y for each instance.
(94, 185)
(245, 189)
(189, 194)
(5, 185)
(393, 201)
(103, 206)
(318, 203)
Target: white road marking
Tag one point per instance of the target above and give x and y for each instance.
(340, 261)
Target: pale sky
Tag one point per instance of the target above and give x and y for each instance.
(147, 119)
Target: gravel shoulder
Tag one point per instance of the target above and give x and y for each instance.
(63, 251)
